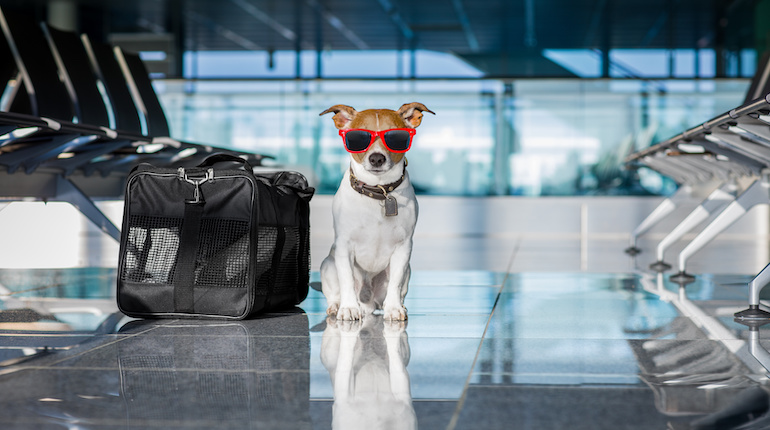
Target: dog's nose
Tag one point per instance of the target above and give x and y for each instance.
(376, 159)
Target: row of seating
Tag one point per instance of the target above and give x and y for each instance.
(76, 116)
(730, 154)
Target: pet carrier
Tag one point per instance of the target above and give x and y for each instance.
(213, 240)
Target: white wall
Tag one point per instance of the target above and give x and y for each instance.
(487, 233)
(554, 233)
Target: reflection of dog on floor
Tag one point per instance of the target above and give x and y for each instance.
(367, 362)
(375, 212)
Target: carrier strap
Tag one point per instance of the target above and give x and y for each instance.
(184, 275)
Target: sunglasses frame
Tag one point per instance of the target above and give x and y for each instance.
(381, 135)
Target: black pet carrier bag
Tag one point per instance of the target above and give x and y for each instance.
(213, 241)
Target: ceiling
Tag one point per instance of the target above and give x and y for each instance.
(500, 37)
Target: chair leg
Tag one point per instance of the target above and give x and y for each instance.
(658, 214)
(715, 202)
(66, 191)
(757, 193)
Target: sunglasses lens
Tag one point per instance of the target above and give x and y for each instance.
(398, 140)
(357, 140)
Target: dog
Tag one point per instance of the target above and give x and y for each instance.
(375, 212)
(366, 361)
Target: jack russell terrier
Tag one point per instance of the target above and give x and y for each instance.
(374, 212)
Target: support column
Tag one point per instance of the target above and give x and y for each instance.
(606, 42)
(762, 27)
(504, 135)
(176, 26)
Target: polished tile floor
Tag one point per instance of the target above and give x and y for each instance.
(539, 345)
(480, 350)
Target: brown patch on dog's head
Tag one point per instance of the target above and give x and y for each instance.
(407, 116)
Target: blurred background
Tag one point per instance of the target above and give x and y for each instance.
(537, 105)
(533, 98)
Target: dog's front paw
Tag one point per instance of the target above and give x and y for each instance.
(332, 309)
(395, 313)
(349, 313)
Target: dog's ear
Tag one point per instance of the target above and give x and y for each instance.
(412, 113)
(343, 115)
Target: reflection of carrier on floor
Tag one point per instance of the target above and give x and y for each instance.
(230, 371)
(193, 374)
(76, 117)
(728, 157)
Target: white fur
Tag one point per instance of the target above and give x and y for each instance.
(366, 361)
(368, 265)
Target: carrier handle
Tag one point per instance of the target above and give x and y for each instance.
(222, 156)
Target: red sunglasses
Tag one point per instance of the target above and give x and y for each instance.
(396, 139)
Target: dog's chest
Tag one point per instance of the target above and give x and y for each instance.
(371, 236)
(365, 220)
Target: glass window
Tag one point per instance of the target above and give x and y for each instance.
(523, 137)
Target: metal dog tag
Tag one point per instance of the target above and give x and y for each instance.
(391, 206)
